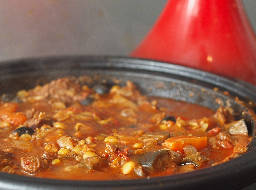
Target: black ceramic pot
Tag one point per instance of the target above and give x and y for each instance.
(153, 78)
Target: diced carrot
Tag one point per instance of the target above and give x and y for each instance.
(178, 143)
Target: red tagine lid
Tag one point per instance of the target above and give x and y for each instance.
(211, 35)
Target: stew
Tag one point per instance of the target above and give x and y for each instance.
(67, 129)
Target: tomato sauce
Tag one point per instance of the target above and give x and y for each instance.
(68, 129)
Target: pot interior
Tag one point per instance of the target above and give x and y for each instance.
(152, 78)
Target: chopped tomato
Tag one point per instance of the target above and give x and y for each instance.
(15, 119)
(213, 131)
(9, 114)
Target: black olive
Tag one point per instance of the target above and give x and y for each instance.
(87, 101)
(169, 118)
(157, 160)
(24, 130)
(101, 88)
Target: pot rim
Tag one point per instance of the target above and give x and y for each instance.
(241, 167)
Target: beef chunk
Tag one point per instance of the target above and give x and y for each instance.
(66, 90)
(39, 119)
(94, 162)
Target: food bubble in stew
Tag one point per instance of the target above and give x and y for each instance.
(67, 129)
